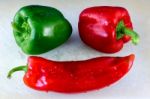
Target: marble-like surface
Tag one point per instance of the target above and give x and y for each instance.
(135, 85)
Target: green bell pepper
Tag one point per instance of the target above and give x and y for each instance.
(38, 29)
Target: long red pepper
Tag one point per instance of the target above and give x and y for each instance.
(106, 28)
(74, 76)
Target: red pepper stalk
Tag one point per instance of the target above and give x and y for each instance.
(123, 31)
(106, 28)
(74, 76)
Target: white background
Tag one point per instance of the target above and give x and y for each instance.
(135, 85)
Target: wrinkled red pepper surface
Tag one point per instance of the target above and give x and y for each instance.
(74, 76)
(106, 28)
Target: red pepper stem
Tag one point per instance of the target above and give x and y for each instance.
(133, 34)
(122, 30)
(19, 68)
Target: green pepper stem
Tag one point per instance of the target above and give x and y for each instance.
(133, 34)
(122, 30)
(19, 68)
(16, 28)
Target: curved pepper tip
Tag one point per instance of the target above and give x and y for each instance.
(130, 60)
(132, 56)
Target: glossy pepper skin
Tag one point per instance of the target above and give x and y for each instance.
(106, 28)
(74, 76)
(38, 29)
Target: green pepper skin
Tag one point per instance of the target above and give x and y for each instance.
(38, 29)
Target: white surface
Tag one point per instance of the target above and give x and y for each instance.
(135, 85)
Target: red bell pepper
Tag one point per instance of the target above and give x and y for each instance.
(106, 28)
(74, 76)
